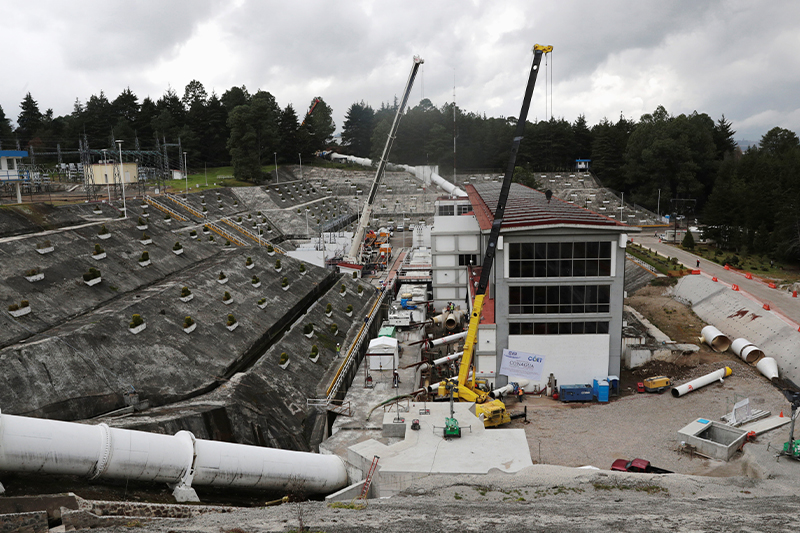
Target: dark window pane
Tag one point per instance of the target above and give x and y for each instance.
(540, 309)
(590, 327)
(605, 250)
(604, 294)
(526, 270)
(552, 268)
(591, 294)
(578, 294)
(540, 250)
(539, 328)
(552, 328)
(513, 269)
(527, 328)
(578, 268)
(514, 310)
(603, 308)
(566, 250)
(564, 328)
(577, 328)
(540, 269)
(527, 295)
(566, 268)
(540, 294)
(513, 328)
(592, 249)
(602, 327)
(513, 250)
(591, 267)
(552, 294)
(605, 267)
(513, 295)
(527, 250)
(553, 250)
(579, 250)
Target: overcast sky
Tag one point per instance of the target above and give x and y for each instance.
(739, 58)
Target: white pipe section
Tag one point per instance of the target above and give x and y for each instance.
(768, 367)
(446, 358)
(505, 389)
(715, 338)
(436, 179)
(447, 339)
(702, 381)
(752, 354)
(740, 344)
(100, 451)
(453, 319)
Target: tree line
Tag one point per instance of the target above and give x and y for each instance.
(749, 199)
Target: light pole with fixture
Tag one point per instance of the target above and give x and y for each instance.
(301, 165)
(277, 178)
(105, 169)
(122, 179)
(186, 174)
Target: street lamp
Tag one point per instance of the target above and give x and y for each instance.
(122, 178)
(301, 165)
(277, 178)
(186, 173)
(105, 169)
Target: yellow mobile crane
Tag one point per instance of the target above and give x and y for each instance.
(493, 410)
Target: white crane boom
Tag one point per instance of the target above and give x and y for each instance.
(353, 255)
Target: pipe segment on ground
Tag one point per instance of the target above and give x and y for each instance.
(768, 366)
(702, 381)
(718, 341)
(747, 351)
(447, 339)
(181, 460)
(505, 389)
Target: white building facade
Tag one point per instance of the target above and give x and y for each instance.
(556, 288)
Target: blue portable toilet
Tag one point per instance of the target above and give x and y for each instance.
(602, 392)
(613, 385)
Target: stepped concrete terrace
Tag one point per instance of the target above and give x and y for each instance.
(74, 357)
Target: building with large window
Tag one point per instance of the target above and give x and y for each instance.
(556, 287)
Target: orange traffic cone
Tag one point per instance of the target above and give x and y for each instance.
(781, 416)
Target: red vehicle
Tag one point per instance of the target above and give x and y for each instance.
(637, 465)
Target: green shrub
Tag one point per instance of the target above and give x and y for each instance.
(302, 267)
(349, 309)
(343, 289)
(31, 272)
(231, 320)
(308, 328)
(211, 238)
(360, 289)
(177, 246)
(285, 282)
(91, 274)
(284, 358)
(221, 276)
(193, 233)
(103, 230)
(145, 257)
(328, 308)
(355, 276)
(248, 262)
(688, 241)
(277, 264)
(136, 321)
(270, 249)
(314, 350)
(255, 280)
(334, 328)
(226, 296)
(23, 304)
(13, 307)
(144, 236)
(187, 322)
(167, 217)
(227, 242)
(98, 249)
(262, 301)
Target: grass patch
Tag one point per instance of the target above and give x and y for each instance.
(649, 489)
(458, 496)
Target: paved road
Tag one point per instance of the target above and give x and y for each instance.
(781, 302)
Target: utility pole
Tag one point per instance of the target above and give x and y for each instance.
(186, 174)
(122, 179)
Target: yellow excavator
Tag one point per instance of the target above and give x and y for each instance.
(463, 388)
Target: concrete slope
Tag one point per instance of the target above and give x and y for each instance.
(636, 276)
(738, 316)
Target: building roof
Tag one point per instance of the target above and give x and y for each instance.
(13, 153)
(529, 207)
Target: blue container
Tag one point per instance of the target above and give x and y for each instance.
(575, 393)
(602, 391)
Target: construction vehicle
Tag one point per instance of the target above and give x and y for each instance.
(451, 427)
(492, 411)
(657, 384)
(354, 254)
(311, 110)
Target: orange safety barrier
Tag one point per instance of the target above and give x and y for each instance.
(766, 307)
(772, 286)
(748, 275)
(727, 267)
(794, 294)
(735, 287)
(714, 278)
(695, 272)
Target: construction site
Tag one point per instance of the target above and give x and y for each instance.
(369, 349)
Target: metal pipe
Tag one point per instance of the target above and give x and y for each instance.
(702, 381)
(715, 338)
(447, 339)
(768, 367)
(447, 358)
(505, 389)
(99, 451)
(453, 320)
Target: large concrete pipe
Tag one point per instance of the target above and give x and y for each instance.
(768, 367)
(702, 381)
(181, 460)
(453, 320)
(447, 339)
(746, 350)
(505, 389)
(718, 341)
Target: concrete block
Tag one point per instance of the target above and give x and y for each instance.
(713, 439)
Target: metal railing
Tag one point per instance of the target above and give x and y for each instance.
(161, 207)
(251, 234)
(178, 200)
(222, 232)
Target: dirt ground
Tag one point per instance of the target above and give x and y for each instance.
(646, 425)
